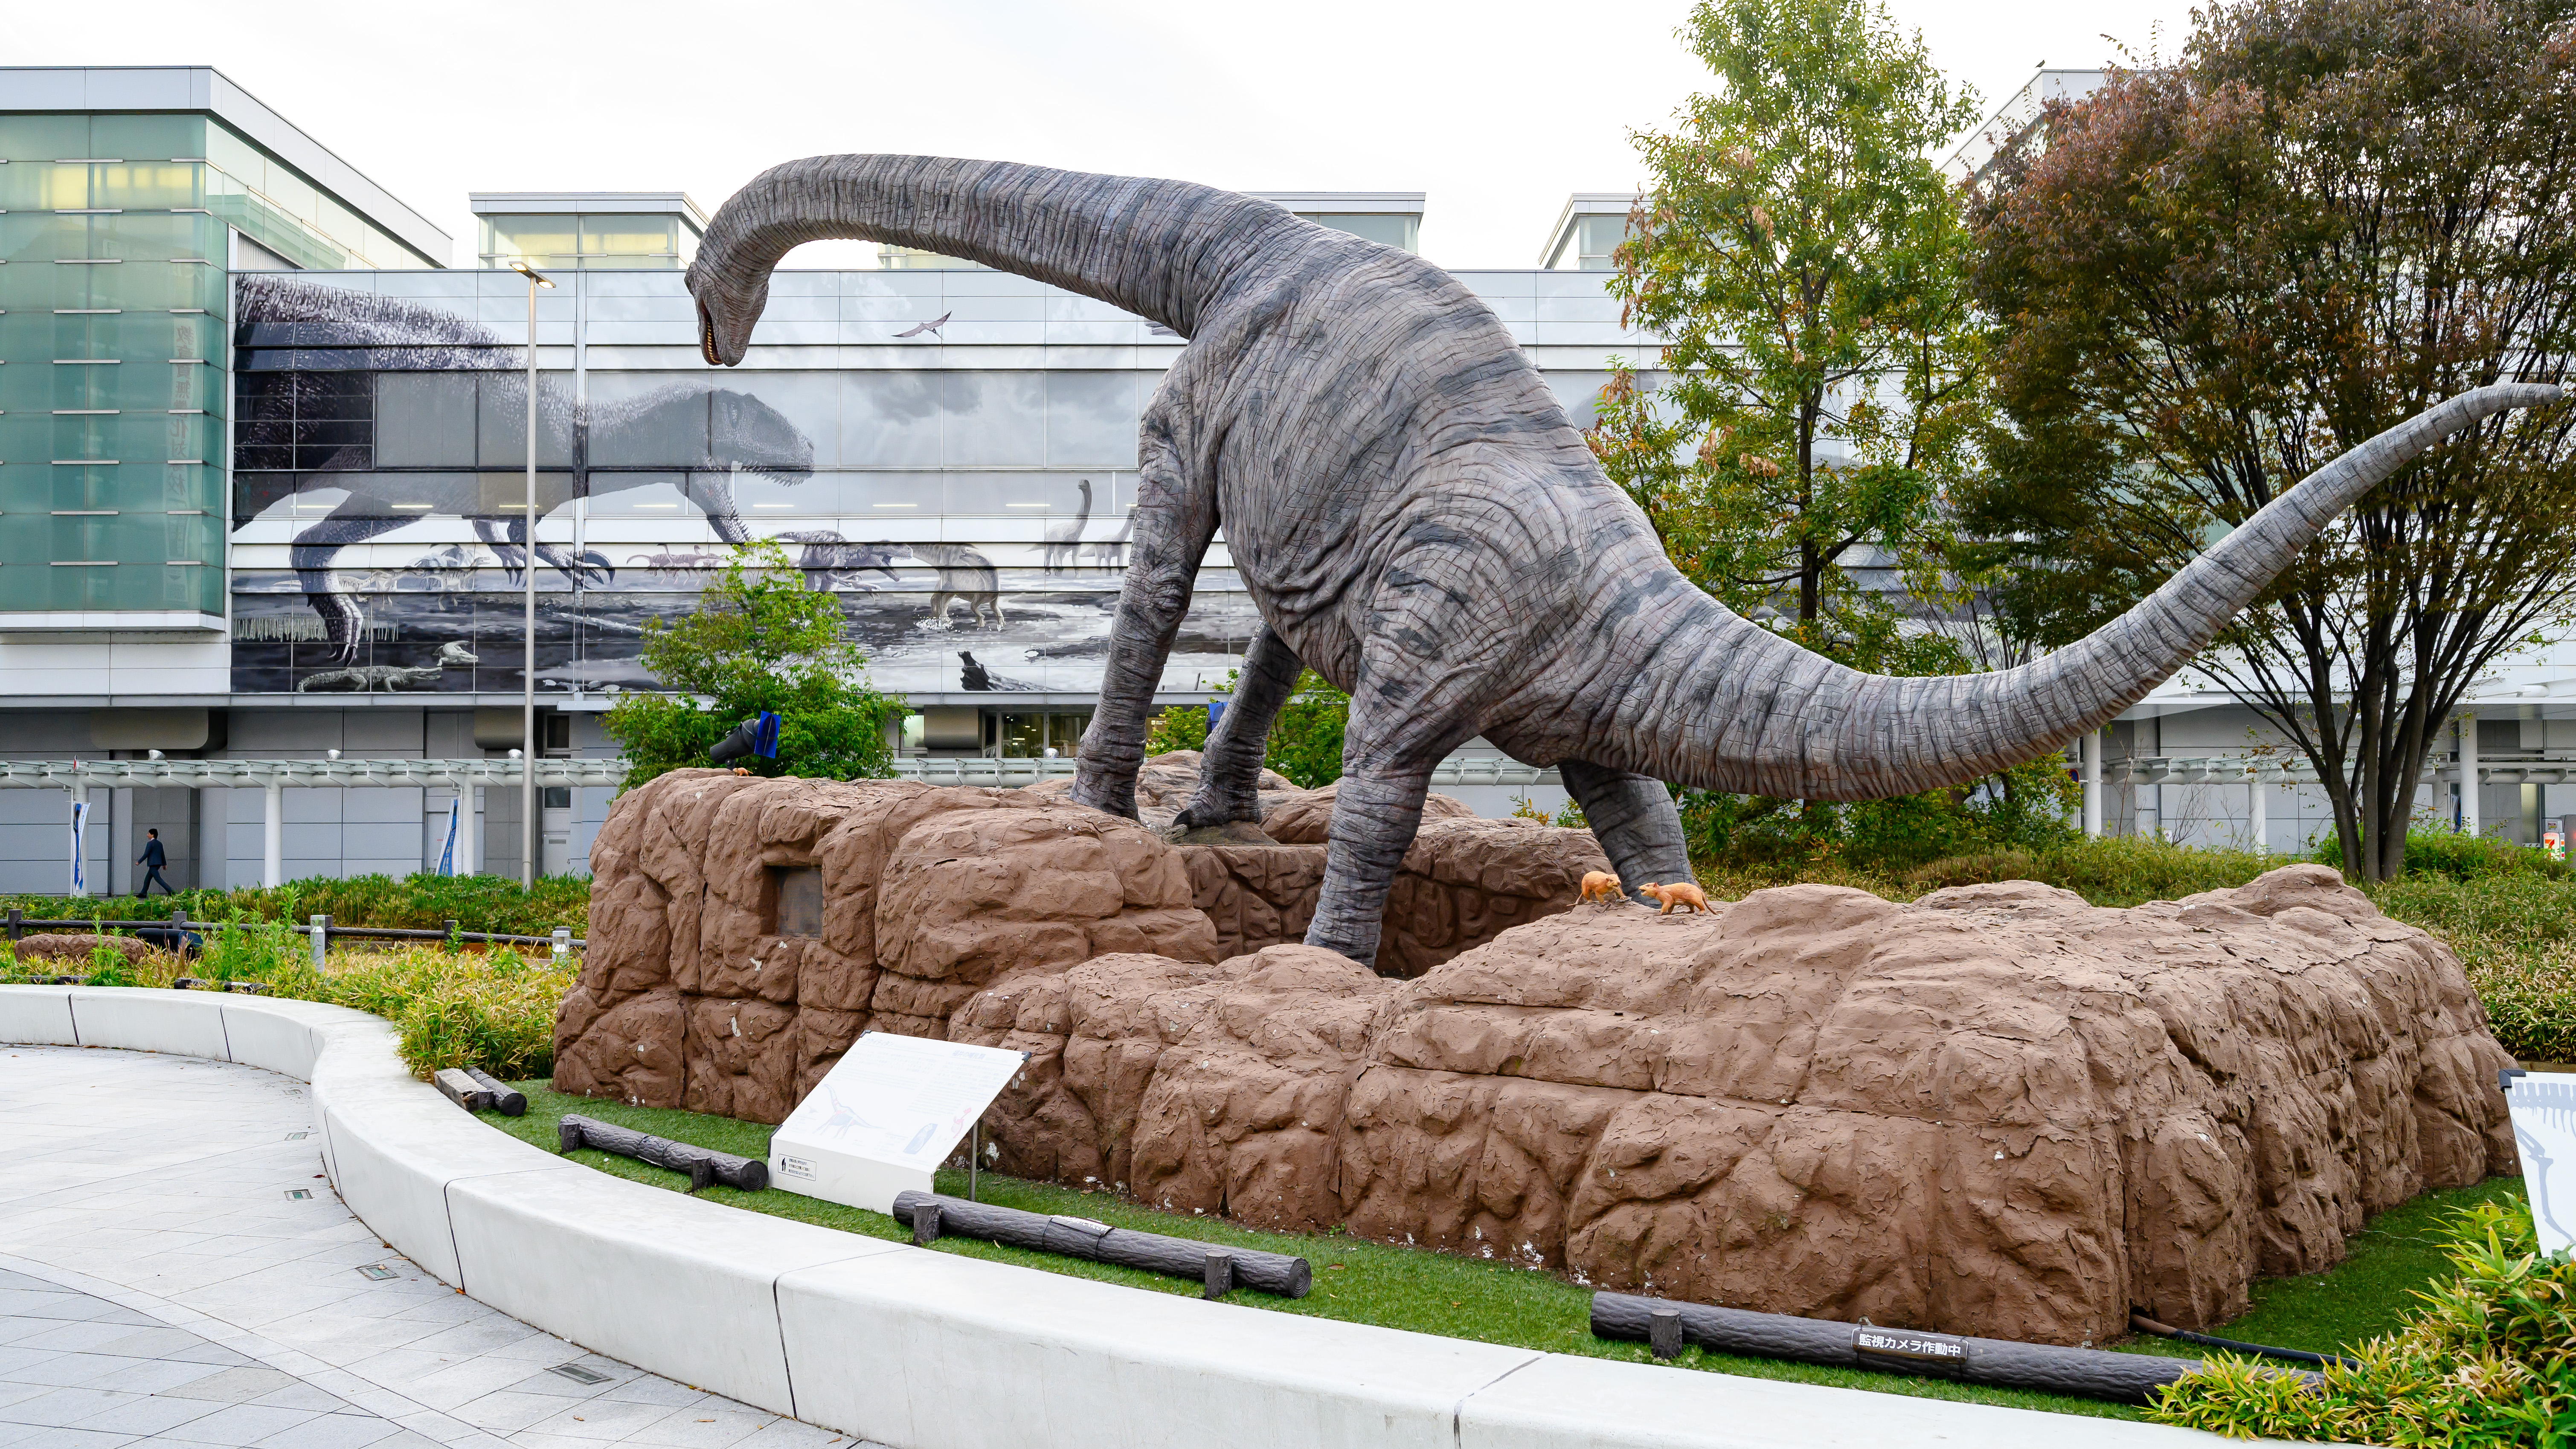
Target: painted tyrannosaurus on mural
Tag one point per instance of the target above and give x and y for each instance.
(1416, 519)
(334, 331)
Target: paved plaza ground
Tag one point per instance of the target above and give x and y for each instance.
(174, 1269)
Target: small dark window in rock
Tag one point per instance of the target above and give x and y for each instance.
(799, 891)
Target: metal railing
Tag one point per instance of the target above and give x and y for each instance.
(384, 774)
(1010, 772)
(2295, 770)
(179, 929)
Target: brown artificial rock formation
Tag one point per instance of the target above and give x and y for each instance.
(1995, 1111)
(690, 996)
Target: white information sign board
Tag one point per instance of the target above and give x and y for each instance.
(2544, 1132)
(886, 1115)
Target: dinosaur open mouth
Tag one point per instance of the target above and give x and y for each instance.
(707, 336)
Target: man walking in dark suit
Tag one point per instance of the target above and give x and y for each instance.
(152, 859)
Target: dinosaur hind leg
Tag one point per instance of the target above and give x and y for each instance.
(1634, 819)
(310, 553)
(1230, 772)
(1417, 694)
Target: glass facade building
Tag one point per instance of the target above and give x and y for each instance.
(118, 237)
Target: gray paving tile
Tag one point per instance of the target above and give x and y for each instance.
(301, 1395)
(703, 1427)
(603, 1422)
(158, 1377)
(149, 1414)
(66, 1406)
(146, 1342)
(505, 1411)
(236, 1425)
(69, 1369)
(60, 1335)
(49, 1438)
(14, 1359)
(332, 1431)
(235, 1385)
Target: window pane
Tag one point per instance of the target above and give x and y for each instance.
(43, 138)
(1402, 232)
(630, 235)
(146, 137)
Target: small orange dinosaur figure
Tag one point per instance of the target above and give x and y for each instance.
(1680, 893)
(1601, 885)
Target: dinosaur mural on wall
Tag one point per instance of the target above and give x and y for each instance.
(343, 332)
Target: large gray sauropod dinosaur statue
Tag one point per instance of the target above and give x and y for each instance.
(1416, 518)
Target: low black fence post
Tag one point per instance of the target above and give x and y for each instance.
(17, 926)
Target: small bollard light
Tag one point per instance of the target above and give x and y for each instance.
(925, 1225)
(321, 939)
(1664, 1332)
(563, 943)
(1220, 1273)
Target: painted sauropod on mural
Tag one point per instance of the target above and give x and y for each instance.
(1417, 520)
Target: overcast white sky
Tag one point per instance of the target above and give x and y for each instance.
(1497, 109)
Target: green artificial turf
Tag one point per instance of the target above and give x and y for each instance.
(1364, 1282)
(2397, 1255)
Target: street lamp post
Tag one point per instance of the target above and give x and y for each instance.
(528, 566)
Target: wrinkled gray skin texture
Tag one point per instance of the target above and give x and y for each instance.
(1418, 521)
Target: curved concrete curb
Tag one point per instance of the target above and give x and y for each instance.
(924, 1350)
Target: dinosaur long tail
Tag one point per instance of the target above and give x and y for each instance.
(1160, 249)
(1748, 711)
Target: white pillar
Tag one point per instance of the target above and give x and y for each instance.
(272, 870)
(2469, 822)
(2259, 815)
(214, 836)
(2093, 782)
(469, 829)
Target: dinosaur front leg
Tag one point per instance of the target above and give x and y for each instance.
(1175, 522)
(1230, 773)
(1634, 819)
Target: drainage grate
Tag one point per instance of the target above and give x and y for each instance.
(377, 1271)
(578, 1374)
(297, 1136)
(299, 1192)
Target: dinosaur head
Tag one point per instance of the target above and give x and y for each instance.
(728, 308)
(745, 432)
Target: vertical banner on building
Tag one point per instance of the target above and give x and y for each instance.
(447, 852)
(80, 867)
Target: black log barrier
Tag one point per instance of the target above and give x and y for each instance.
(2143, 1324)
(2128, 1378)
(509, 1101)
(703, 1166)
(1289, 1277)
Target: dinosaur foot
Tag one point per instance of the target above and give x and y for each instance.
(1232, 832)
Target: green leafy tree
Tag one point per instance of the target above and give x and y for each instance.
(1180, 727)
(1305, 740)
(2222, 273)
(759, 640)
(1807, 265)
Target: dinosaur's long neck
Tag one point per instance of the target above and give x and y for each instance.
(1722, 703)
(1160, 249)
